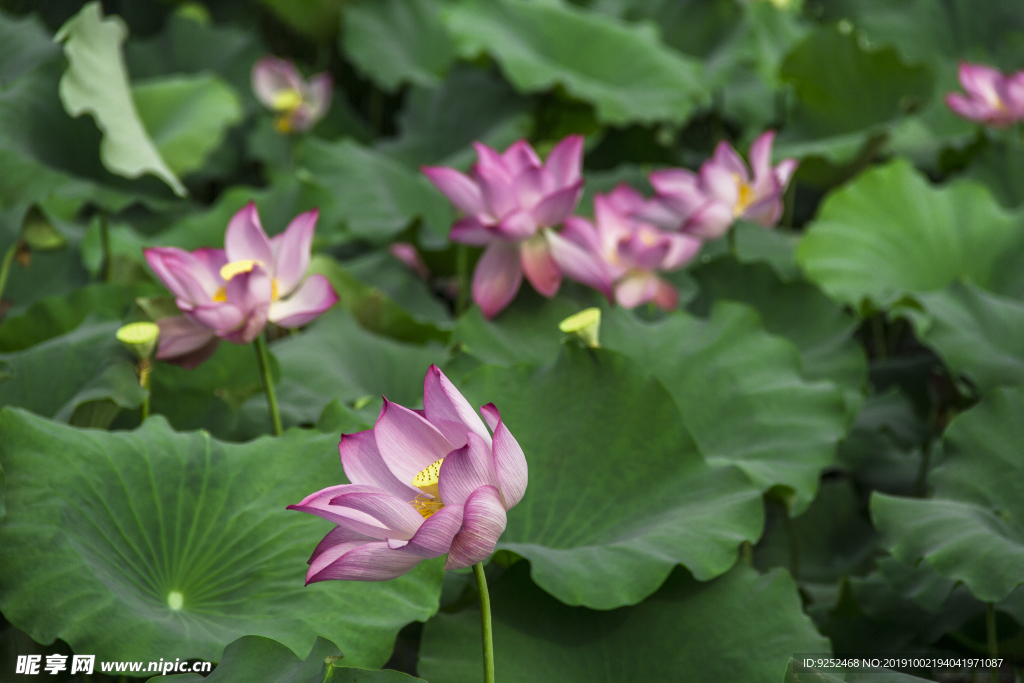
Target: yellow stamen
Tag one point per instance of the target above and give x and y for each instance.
(425, 505)
(746, 195)
(229, 270)
(429, 501)
(287, 100)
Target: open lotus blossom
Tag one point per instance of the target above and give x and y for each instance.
(280, 87)
(231, 293)
(511, 202)
(633, 250)
(706, 204)
(424, 483)
(991, 98)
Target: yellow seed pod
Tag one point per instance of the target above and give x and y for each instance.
(586, 324)
(140, 338)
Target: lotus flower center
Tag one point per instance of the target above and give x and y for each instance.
(230, 270)
(745, 195)
(287, 100)
(429, 501)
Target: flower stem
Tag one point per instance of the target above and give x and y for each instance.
(993, 642)
(5, 269)
(268, 382)
(144, 369)
(485, 622)
(731, 236)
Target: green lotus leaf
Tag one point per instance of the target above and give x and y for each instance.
(398, 41)
(686, 626)
(377, 197)
(845, 93)
(254, 659)
(180, 544)
(376, 310)
(439, 125)
(795, 310)
(335, 358)
(96, 83)
(749, 405)
(187, 117)
(24, 45)
(618, 492)
(58, 377)
(622, 69)
(971, 528)
(54, 316)
(890, 233)
(976, 333)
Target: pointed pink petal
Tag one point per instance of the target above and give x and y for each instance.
(465, 470)
(212, 259)
(728, 160)
(318, 95)
(565, 161)
(319, 504)
(496, 189)
(683, 249)
(578, 264)
(557, 206)
(980, 81)
(483, 521)
(249, 293)
(313, 298)
(368, 562)
(719, 184)
(407, 442)
(539, 267)
(968, 108)
(437, 532)
(469, 230)
(637, 288)
(784, 172)
(407, 254)
(245, 239)
(766, 211)
(448, 410)
(363, 464)
(625, 199)
(457, 187)
(497, 277)
(667, 296)
(270, 76)
(292, 250)
(219, 317)
(185, 343)
(673, 180)
(391, 512)
(489, 159)
(582, 232)
(186, 276)
(510, 465)
(665, 212)
(491, 415)
(761, 156)
(337, 536)
(519, 156)
(517, 225)
(530, 186)
(709, 222)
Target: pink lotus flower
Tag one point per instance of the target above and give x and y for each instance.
(511, 202)
(231, 293)
(706, 204)
(634, 251)
(281, 88)
(991, 98)
(424, 483)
